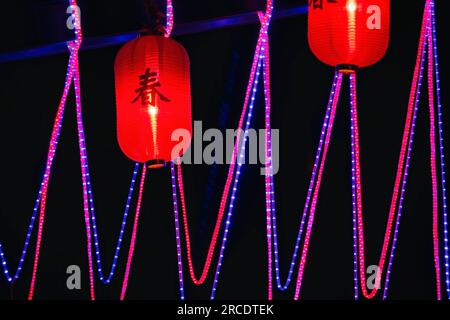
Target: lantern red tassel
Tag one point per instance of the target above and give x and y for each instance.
(153, 99)
(349, 32)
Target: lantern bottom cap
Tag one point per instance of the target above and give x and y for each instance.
(156, 164)
(347, 68)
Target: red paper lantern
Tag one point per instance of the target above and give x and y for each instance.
(349, 32)
(153, 98)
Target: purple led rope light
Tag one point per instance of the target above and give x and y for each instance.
(442, 153)
(280, 286)
(236, 181)
(52, 150)
(177, 230)
(405, 176)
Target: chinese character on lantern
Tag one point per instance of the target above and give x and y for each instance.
(147, 91)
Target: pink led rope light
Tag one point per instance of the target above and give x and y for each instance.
(51, 154)
(83, 158)
(399, 177)
(169, 27)
(231, 170)
(311, 188)
(268, 179)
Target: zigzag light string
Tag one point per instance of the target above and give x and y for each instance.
(249, 100)
(177, 230)
(356, 170)
(11, 277)
(103, 278)
(311, 187)
(88, 198)
(316, 193)
(431, 100)
(407, 141)
(415, 94)
(235, 187)
(441, 149)
(427, 41)
(74, 46)
(426, 27)
(269, 179)
(134, 234)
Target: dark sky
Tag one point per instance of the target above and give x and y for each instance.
(220, 61)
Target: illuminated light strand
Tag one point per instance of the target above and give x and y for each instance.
(265, 50)
(73, 47)
(240, 161)
(431, 101)
(403, 190)
(354, 191)
(54, 139)
(441, 148)
(89, 199)
(206, 268)
(134, 234)
(311, 187)
(425, 36)
(177, 230)
(229, 180)
(265, 59)
(356, 167)
(169, 18)
(83, 158)
(270, 189)
(399, 177)
(316, 191)
(88, 196)
(103, 279)
(356, 170)
(169, 28)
